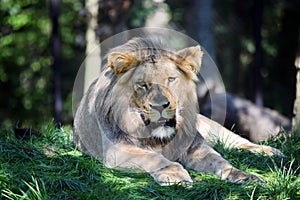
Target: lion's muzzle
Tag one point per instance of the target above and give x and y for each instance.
(157, 108)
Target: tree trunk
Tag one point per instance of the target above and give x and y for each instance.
(93, 60)
(106, 18)
(258, 10)
(198, 23)
(56, 53)
(296, 118)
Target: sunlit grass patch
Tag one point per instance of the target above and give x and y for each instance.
(47, 166)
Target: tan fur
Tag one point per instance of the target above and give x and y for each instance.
(142, 113)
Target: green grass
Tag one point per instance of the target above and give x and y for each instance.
(48, 167)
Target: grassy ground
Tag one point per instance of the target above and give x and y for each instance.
(48, 167)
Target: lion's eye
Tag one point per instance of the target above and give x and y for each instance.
(142, 85)
(171, 79)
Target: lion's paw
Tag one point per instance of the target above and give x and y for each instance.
(263, 149)
(172, 174)
(271, 151)
(239, 177)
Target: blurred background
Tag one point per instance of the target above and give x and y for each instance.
(43, 43)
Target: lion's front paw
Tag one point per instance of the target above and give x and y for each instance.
(263, 149)
(172, 174)
(271, 151)
(239, 177)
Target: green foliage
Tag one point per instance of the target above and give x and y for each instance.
(25, 59)
(48, 167)
(35, 192)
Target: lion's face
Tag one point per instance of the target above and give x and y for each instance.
(159, 87)
(155, 85)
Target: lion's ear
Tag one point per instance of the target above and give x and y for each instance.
(121, 62)
(191, 58)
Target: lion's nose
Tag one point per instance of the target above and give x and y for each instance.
(159, 101)
(166, 104)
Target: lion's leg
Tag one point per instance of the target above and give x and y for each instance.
(164, 171)
(213, 132)
(203, 158)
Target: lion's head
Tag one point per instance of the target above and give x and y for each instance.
(153, 91)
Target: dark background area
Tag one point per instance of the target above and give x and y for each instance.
(254, 44)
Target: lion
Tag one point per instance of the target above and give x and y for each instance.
(142, 112)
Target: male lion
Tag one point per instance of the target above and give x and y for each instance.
(142, 112)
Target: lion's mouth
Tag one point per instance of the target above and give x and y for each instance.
(162, 122)
(165, 122)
